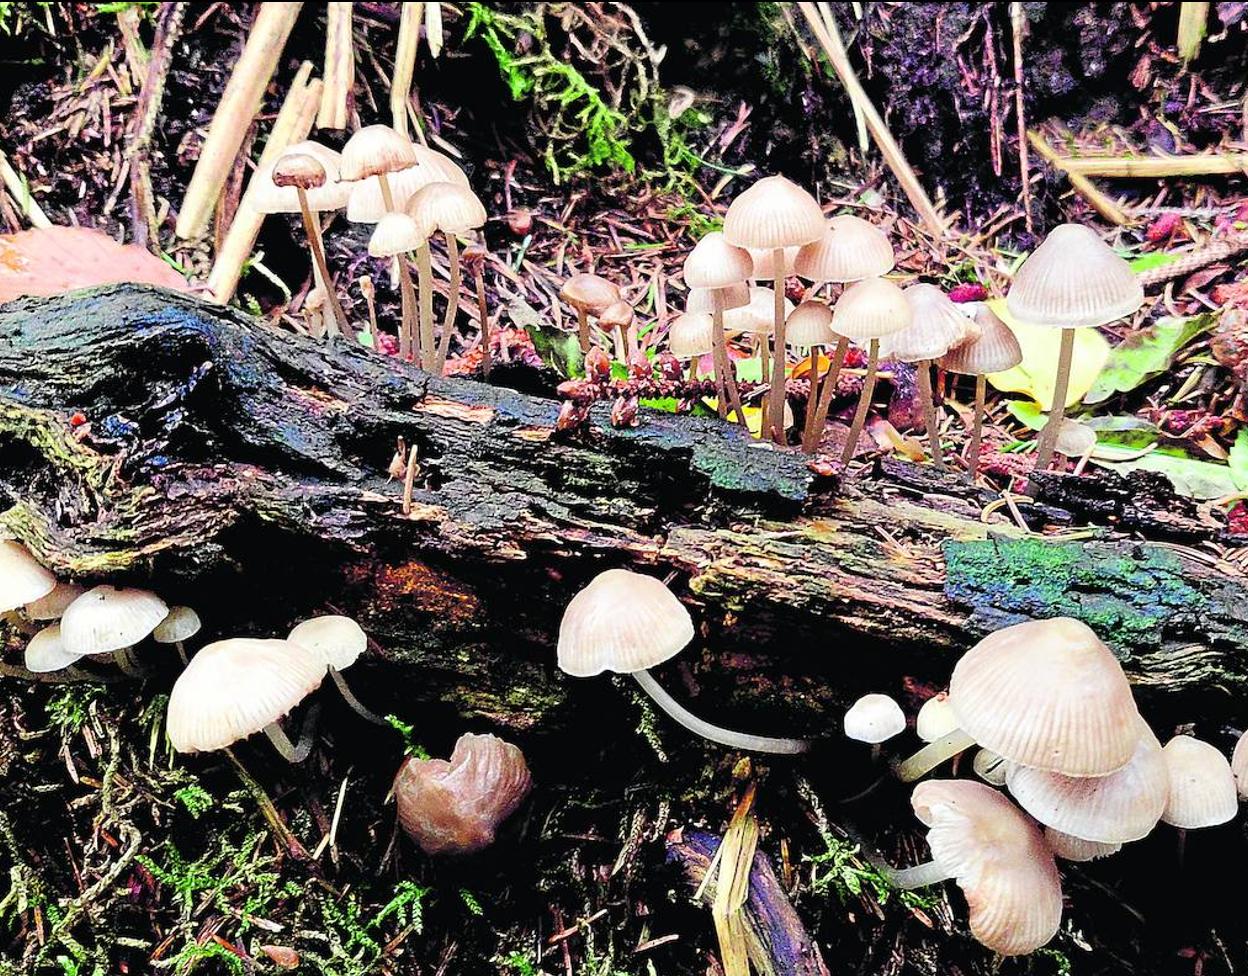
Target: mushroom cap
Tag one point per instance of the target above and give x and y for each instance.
(22, 579)
(52, 605)
(994, 351)
(810, 324)
(991, 767)
(1073, 280)
(449, 207)
(765, 262)
(691, 335)
(108, 618)
(301, 170)
(1114, 809)
(373, 150)
(337, 639)
(397, 233)
(46, 652)
(367, 205)
(589, 291)
(622, 622)
(773, 213)
(936, 326)
(1047, 694)
(1239, 764)
(874, 718)
(234, 688)
(267, 196)
(849, 249)
(1074, 439)
(1070, 848)
(1202, 786)
(181, 623)
(871, 309)
(703, 299)
(936, 718)
(758, 316)
(456, 806)
(619, 315)
(714, 263)
(999, 859)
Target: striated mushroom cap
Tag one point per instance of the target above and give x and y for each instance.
(456, 806)
(22, 579)
(1047, 694)
(1070, 848)
(773, 213)
(874, 718)
(337, 639)
(765, 262)
(1239, 764)
(52, 605)
(691, 335)
(448, 207)
(274, 186)
(936, 718)
(849, 249)
(397, 233)
(46, 652)
(994, 350)
(936, 326)
(181, 623)
(367, 204)
(1074, 439)
(108, 618)
(758, 316)
(703, 299)
(1202, 786)
(373, 150)
(871, 309)
(714, 263)
(591, 292)
(810, 324)
(300, 170)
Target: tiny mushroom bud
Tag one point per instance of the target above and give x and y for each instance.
(874, 718)
(1202, 787)
(936, 718)
(179, 626)
(589, 294)
(624, 412)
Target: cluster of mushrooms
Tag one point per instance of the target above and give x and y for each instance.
(235, 688)
(1053, 719)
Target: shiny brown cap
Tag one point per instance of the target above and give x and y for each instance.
(590, 292)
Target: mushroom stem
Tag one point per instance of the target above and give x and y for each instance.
(827, 393)
(312, 227)
(409, 346)
(424, 274)
(919, 876)
(181, 649)
(929, 413)
(288, 750)
(764, 364)
(721, 347)
(483, 312)
(126, 663)
(775, 415)
(355, 704)
(726, 737)
(932, 755)
(582, 327)
(864, 403)
(1048, 436)
(977, 425)
(452, 302)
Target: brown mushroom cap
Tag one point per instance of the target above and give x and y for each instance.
(448, 207)
(999, 859)
(1047, 694)
(691, 335)
(619, 315)
(22, 579)
(994, 350)
(714, 263)
(871, 309)
(267, 195)
(589, 292)
(300, 170)
(936, 326)
(1202, 786)
(773, 213)
(376, 149)
(849, 249)
(456, 806)
(1073, 280)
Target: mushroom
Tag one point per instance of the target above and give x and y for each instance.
(474, 261)
(808, 327)
(1239, 764)
(179, 626)
(22, 579)
(46, 652)
(692, 336)
(109, 619)
(618, 320)
(371, 158)
(456, 806)
(714, 264)
(367, 205)
(994, 350)
(1044, 693)
(626, 623)
(588, 294)
(1075, 440)
(1073, 280)
(936, 718)
(395, 235)
(453, 209)
(764, 259)
(52, 605)
(875, 719)
(773, 214)
(868, 310)
(990, 767)
(734, 296)
(340, 641)
(998, 857)
(1070, 848)
(1202, 790)
(937, 325)
(235, 688)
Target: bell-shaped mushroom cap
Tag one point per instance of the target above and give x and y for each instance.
(994, 350)
(590, 292)
(936, 718)
(936, 326)
(1202, 786)
(1114, 809)
(22, 579)
(1070, 848)
(810, 324)
(337, 639)
(991, 767)
(774, 212)
(181, 623)
(849, 249)
(367, 204)
(46, 652)
(108, 618)
(267, 196)
(758, 316)
(691, 335)
(456, 807)
(765, 262)
(396, 233)
(703, 299)
(439, 166)
(999, 859)
(449, 207)
(234, 688)
(52, 605)
(375, 149)
(1074, 439)
(301, 170)
(620, 315)
(622, 622)
(714, 263)
(1073, 280)
(874, 718)
(871, 309)
(1048, 694)
(1239, 764)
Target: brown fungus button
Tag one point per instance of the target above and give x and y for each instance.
(589, 294)
(617, 320)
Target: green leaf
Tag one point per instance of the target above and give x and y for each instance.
(1197, 479)
(1154, 259)
(1239, 460)
(1027, 413)
(1130, 432)
(1145, 354)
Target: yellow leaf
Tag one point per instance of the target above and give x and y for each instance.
(1036, 375)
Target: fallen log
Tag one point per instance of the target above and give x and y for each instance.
(147, 435)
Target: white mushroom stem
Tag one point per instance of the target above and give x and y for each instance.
(1048, 436)
(181, 648)
(918, 876)
(354, 703)
(977, 425)
(720, 342)
(409, 344)
(714, 733)
(827, 393)
(452, 302)
(424, 273)
(864, 403)
(929, 413)
(126, 663)
(933, 754)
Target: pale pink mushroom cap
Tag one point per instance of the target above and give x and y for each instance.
(1202, 786)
